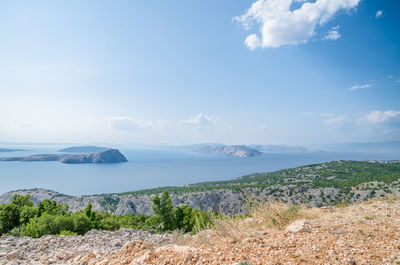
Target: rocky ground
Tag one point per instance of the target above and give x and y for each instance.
(91, 248)
(367, 233)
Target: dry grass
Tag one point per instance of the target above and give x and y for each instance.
(263, 218)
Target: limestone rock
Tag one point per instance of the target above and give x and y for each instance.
(298, 226)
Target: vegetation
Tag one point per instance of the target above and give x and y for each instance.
(22, 218)
(339, 174)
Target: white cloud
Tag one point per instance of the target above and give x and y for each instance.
(327, 115)
(279, 25)
(335, 120)
(360, 86)
(382, 116)
(384, 124)
(333, 34)
(252, 41)
(127, 123)
(201, 121)
(379, 13)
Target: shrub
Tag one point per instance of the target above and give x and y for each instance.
(109, 223)
(82, 223)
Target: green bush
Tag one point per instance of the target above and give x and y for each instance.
(109, 223)
(21, 217)
(82, 223)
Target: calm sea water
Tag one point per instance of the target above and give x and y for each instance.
(150, 168)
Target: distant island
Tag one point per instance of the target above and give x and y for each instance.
(106, 156)
(229, 150)
(280, 148)
(10, 150)
(243, 150)
(83, 149)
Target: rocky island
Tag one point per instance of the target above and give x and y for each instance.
(106, 156)
(243, 150)
(228, 150)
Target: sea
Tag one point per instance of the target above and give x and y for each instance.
(153, 167)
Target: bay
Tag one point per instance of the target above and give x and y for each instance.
(150, 168)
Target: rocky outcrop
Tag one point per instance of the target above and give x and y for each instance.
(36, 195)
(107, 156)
(230, 202)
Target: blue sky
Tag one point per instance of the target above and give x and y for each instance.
(178, 72)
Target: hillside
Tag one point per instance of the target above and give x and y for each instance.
(365, 233)
(315, 185)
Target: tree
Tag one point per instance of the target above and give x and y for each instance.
(9, 217)
(185, 218)
(22, 201)
(89, 213)
(26, 213)
(164, 210)
(10, 212)
(51, 207)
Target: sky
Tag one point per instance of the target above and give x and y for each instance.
(181, 72)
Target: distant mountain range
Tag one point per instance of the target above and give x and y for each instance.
(388, 146)
(105, 156)
(229, 150)
(278, 148)
(242, 150)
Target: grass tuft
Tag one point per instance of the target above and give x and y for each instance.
(263, 217)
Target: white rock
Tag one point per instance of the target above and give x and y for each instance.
(298, 226)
